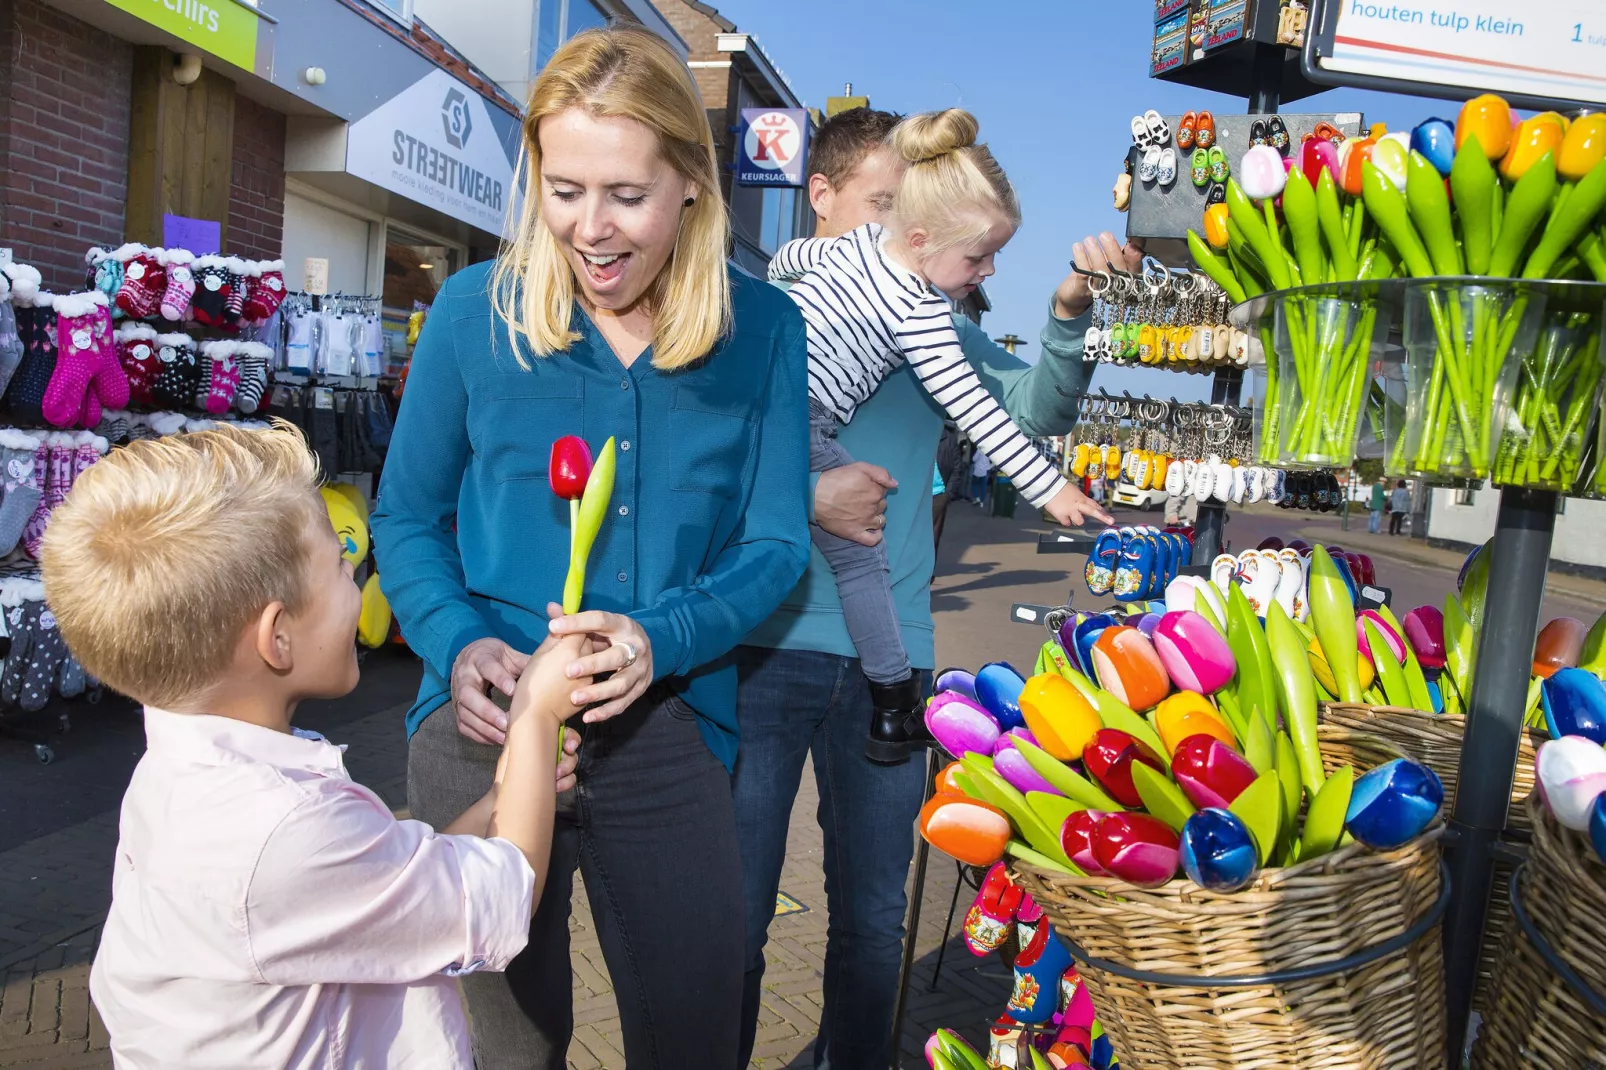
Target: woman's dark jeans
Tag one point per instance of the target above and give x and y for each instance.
(652, 828)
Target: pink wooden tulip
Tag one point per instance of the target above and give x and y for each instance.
(1194, 654)
(1012, 765)
(1137, 848)
(1076, 837)
(1395, 642)
(960, 725)
(1209, 772)
(1424, 629)
(1316, 154)
(1261, 173)
(1571, 772)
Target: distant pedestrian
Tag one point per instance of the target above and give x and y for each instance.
(1096, 490)
(1399, 505)
(981, 468)
(1374, 522)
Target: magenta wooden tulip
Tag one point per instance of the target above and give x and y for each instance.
(1393, 638)
(1012, 765)
(1076, 837)
(960, 725)
(1137, 848)
(1209, 772)
(1424, 629)
(1195, 655)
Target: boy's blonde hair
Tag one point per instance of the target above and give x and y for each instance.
(630, 73)
(951, 183)
(164, 552)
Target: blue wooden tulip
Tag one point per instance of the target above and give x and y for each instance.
(962, 681)
(1348, 577)
(1148, 622)
(1067, 640)
(1086, 634)
(1574, 701)
(1393, 803)
(1218, 850)
(998, 688)
(1435, 140)
(1597, 826)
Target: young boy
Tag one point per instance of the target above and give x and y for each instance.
(266, 910)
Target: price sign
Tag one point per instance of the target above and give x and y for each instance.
(1535, 54)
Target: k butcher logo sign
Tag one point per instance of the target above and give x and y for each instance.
(434, 143)
(774, 147)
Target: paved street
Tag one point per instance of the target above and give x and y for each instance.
(58, 822)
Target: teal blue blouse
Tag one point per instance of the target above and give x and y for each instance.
(707, 530)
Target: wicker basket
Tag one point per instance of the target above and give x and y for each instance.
(1435, 741)
(1535, 1016)
(1386, 1012)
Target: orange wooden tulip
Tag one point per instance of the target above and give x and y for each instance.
(973, 832)
(1215, 226)
(1582, 148)
(1534, 138)
(1558, 646)
(1061, 718)
(1188, 713)
(1351, 155)
(1488, 117)
(945, 781)
(1129, 668)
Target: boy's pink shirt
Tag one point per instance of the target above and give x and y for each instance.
(267, 911)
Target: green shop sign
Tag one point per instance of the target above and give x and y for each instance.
(226, 29)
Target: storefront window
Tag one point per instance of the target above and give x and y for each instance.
(400, 10)
(559, 20)
(779, 217)
(415, 268)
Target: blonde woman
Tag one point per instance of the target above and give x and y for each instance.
(877, 297)
(611, 312)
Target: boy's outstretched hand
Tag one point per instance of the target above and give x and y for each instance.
(1073, 508)
(544, 685)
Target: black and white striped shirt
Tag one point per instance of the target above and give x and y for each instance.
(866, 314)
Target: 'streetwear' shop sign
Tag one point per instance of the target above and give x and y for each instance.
(434, 143)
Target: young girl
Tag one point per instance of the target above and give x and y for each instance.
(872, 299)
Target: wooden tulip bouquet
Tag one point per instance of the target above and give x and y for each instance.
(1431, 204)
(1188, 741)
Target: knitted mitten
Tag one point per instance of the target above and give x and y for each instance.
(144, 281)
(180, 289)
(224, 381)
(264, 291)
(253, 359)
(180, 374)
(136, 352)
(22, 476)
(211, 290)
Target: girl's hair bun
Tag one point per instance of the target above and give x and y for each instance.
(934, 134)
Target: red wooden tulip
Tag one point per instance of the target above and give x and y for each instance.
(1108, 759)
(1424, 630)
(1558, 646)
(1076, 837)
(569, 467)
(1137, 848)
(1209, 772)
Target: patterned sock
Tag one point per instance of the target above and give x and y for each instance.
(36, 326)
(180, 288)
(78, 325)
(180, 374)
(10, 344)
(23, 620)
(44, 667)
(114, 426)
(144, 279)
(224, 380)
(265, 291)
(211, 290)
(23, 481)
(91, 448)
(234, 301)
(253, 358)
(136, 352)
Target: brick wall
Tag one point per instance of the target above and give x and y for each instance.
(256, 189)
(64, 146)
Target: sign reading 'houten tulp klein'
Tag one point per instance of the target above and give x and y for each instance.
(221, 27)
(435, 143)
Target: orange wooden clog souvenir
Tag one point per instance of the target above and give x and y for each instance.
(964, 829)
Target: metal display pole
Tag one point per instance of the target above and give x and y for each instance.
(1209, 525)
(1521, 556)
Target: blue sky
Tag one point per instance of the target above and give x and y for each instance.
(1054, 83)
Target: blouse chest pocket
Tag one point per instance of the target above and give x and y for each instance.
(713, 422)
(519, 415)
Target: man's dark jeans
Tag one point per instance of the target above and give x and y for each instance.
(792, 704)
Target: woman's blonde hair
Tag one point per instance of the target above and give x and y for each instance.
(628, 73)
(948, 178)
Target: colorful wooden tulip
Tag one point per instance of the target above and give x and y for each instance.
(1195, 655)
(1332, 615)
(965, 829)
(1391, 157)
(1435, 140)
(1218, 851)
(1597, 826)
(990, 787)
(1488, 118)
(1261, 173)
(1559, 644)
(1424, 630)
(1014, 767)
(569, 467)
(1385, 202)
(586, 514)
(1215, 225)
(1136, 848)
(1323, 672)
(1128, 667)
(1390, 671)
(1353, 154)
(1076, 837)
(1571, 772)
(1209, 772)
(1188, 713)
(1574, 702)
(1304, 228)
(1108, 759)
(1415, 680)
(1085, 634)
(1569, 218)
(960, 725)
(1066, 781)
(946, 784)
(1392, 804)
(998, 688)
(1593, 655)
(1396, 643)
(1297, 689)
(1582, 147)
(961, 681)
(1536, 138)
(1316, 155)
(1060, 718)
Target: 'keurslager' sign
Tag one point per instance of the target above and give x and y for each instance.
(436, 143)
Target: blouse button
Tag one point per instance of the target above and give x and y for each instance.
(624, 510)
(625, 445)
(624, 384)
(622, 577)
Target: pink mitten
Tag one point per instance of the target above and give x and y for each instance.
(82, 327)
